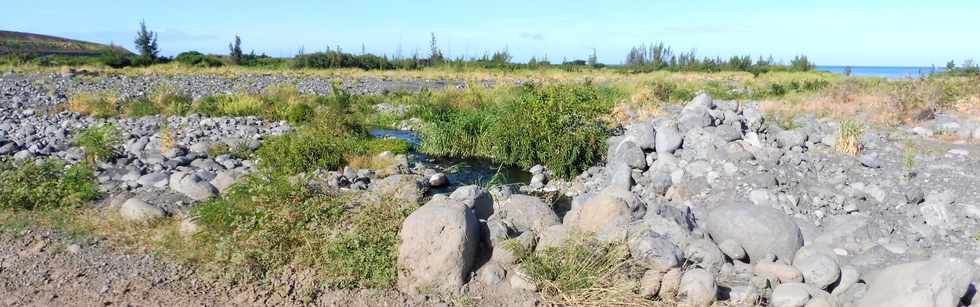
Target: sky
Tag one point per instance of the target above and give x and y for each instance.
(829, 32)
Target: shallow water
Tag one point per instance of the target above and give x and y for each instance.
(890, 72)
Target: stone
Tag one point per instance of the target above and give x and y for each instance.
(191, 185)
(939, 282)
(225, 179)
(869, 160)
(668, 138)
(189, 227)
(404, 187)
(438, 180)
(139, 211)
(743, 296)
(525, 212)
(654, 251)
(790, 295)
(670, 284)
(491, 273)
(818, 264)
(697, 288)
(605, 211)
(643, 135)
(782, 272)
(791, 138)
(628, 153)
(476, 198)
(732, 249)
(520, 281)
(704, 254)
(553, 236)
(758, 230)
(650, 283)
(437, 247)
(849, 276)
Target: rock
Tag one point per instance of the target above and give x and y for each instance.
(643, 135)
(704, 254)
(628, 153)
(697, 288)
(732, 249)
(538, 181)
(670, 284)
(782, 272)
(605, 213)
(650, 283)
(790, 295)
(404, 187)
(743, 296)
(476, 198)
(849, 276)
(491, 273)
(553, 236)
(437, 247)
(225, 179)
(525, 212)
(654, 251)
(519, 280)
(438, 180)
(791, 138)
(758, 230)
(138, 211)
(818, 264)
(668, 138)
(938, 282)
(192, 186)
(503, 254)
(869, 160)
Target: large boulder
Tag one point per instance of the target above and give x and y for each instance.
(476, 198)
(192, 186)
(409, 188)
(628, 153)
(437, 247)
(653, 251)
(138, 211)
(525, 212)
(642, 134)
(608, 211)
(668, 138)
(697, 289)
(938, 282)
(758, 230)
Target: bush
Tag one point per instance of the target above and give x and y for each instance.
(555, 125)
(99, 142)
(264, 224)
(303, 151)
(48, 184)
(194, 58)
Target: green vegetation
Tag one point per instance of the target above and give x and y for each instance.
(98, 142)
(264, 225)
(581, 272)
(146, 44)
(661, 57)
(194, 58)
(98, 105)
(555, 125)
(49, 184)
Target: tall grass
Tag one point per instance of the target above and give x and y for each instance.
(49, 184)
(555, 125)
(99, 142)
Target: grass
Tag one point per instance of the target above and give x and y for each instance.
(848, 135)
(265, 225)
(99, 142)
(100, 105)
(556, 125)
(581, 272)
(168, 138)
(48, 184)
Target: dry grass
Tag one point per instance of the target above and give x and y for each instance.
(168, 139)
(101, 105)
(848, 134)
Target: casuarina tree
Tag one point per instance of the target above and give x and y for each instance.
(235, 51)
(146, 44)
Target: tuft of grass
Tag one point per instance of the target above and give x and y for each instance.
(169, 100)
(848, 134)
(909, 154)
(265, 225)
(581, 272)
(303, 151)
(99, 105)
(168, 139)
(99, 142)
(48, 184)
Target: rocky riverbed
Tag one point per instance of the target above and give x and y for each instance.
(716, 204)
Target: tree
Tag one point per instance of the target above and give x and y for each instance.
(235, 51)
(593, 58)
(146, 44)
(436, 55)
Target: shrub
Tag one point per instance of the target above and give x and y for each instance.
(99, 142)
(303, 151)
(555, 125)
(170, 101)
(264, 224)
(30, 185)
(101, 105)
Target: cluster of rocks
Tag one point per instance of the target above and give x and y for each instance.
(950, 124)
(717, 204)
(50, 89)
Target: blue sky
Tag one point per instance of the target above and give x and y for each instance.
(853, 32)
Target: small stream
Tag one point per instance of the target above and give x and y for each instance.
(460, 171)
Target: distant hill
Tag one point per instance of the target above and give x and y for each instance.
(36, 44)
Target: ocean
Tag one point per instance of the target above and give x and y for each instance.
(890, 72)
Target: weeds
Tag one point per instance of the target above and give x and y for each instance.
(99, 142)
(168, 139)
(848, 134)
(102, 105)
(48, 184)
(909, 154)
(581, 272)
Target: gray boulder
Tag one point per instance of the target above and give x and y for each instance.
(939, 282)
(668, 138)
(192, 186)
(654, 251)
(437, 247)
(758, 230)
(697, 289)
(525, 212)
(476, 198)
(643, 135)
(138, 211)
(628, 153)
(791, 138)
